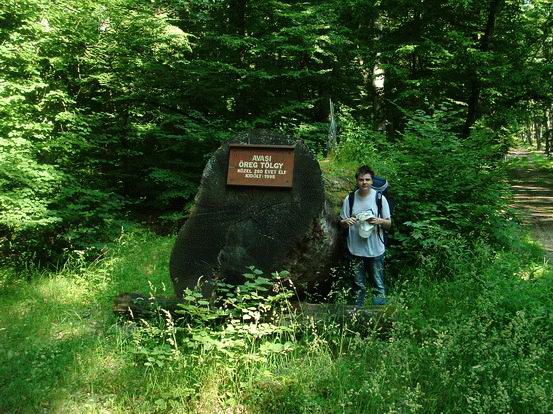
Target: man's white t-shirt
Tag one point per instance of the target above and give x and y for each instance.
(357, 245)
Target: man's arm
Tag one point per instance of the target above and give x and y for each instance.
(345, 220)
(385, 223)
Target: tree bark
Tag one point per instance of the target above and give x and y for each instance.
(272, 229)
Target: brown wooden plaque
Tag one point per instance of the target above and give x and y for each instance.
(261, 165)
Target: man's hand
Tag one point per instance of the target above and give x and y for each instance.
(348, 222)
(386, 223)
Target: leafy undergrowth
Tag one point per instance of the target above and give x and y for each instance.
(479, 341)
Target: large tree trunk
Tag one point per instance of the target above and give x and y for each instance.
(273, 229)
(475, 86)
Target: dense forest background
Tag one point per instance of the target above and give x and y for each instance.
(109, 109)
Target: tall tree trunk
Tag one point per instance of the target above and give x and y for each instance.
(378, 79)
(237, 26)
(475, 85)
(538, 134)
(549, 130)
(530, 135)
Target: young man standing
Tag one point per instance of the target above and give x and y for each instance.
(366, 237)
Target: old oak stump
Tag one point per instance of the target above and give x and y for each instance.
(291, 226)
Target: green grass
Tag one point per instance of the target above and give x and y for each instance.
(479, 341)
(534, 160)
(60, 346)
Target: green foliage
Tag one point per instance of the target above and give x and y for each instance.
(485, 55)
(448, 191)
(109, 109)
(446, 188)
(242, 323)
(479, 341)
(270, 65)
(359, 145)
(90, 127)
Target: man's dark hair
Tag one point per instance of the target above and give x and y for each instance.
(364, 170)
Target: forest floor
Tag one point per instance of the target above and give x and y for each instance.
(456, 346)
(532, 183)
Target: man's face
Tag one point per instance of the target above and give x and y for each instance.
(364, 182)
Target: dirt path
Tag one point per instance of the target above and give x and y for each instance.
(533, 188)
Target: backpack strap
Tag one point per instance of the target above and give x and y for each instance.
(381, 232)
(379, 203)
(351, 200)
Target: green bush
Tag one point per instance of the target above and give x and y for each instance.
(449, 192)
(89, 130)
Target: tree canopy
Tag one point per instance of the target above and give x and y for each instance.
(109, 109)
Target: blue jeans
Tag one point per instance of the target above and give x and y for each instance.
(372, 268)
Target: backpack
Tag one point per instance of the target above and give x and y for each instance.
(380, 185)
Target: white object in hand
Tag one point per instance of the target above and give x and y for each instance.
(365, 228)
